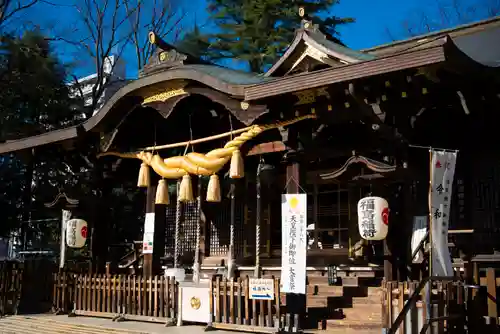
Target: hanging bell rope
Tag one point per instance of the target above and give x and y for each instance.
(196, 163)
(225, 134)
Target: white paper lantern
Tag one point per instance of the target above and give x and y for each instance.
(76, 233)
(373, 218)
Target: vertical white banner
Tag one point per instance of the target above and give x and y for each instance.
(149, 233)
(294, 243)
(442, 173)
(66, 215)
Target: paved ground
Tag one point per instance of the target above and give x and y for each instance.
(62, 324)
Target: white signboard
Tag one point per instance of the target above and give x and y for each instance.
(294, 243)
(149, 233)
(442, 173)
(261, 288)
(418, 233)
(76, 233)
(149, 223)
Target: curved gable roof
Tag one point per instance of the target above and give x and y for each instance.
(314, 38)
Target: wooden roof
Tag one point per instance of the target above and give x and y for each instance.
(422, 41)
(448, 48)
(311, 43)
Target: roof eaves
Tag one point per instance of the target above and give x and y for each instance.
(298, 38)
(349, 72)
(38, 140)
(436, 34)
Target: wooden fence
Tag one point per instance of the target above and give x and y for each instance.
(63, 292)
(11, 273)
(117, 296)
(232, 309)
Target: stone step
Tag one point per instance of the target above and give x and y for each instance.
(339, 290)
(341, 302)
(354, 325)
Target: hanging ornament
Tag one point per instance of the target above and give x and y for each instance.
(236, 170)
(162, 196)
(143, 180)
(213, 190)
(186, 189)
(373, 218)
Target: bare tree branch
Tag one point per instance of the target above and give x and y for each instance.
(441, 14)
(10, 8)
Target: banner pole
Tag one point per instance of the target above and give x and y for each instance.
(428, 288)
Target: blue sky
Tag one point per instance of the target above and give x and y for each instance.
(377, 22)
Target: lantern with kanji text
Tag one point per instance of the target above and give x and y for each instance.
(373, 218)
(76, 233)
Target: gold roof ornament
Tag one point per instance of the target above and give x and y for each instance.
(302, 11)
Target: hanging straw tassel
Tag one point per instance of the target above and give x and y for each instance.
(236, 170)
(143, 180)
(186, 189)
(213, 191)
(162, 193)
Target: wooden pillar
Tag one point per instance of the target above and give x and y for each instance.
(27, 197)
(491, 290)
(152, 262)
(296, 303)
(159, 237)
(99, 218)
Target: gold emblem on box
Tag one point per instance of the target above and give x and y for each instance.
(195, 303)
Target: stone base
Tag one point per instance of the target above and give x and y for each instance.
(178, 273)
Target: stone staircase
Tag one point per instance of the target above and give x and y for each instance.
(337, 307)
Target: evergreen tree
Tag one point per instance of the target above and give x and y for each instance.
(258, 31)
(34, 99)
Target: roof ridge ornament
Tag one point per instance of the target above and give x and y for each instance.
(165, 56)
(307, 22)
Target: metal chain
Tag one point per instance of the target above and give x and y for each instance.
(177, 228)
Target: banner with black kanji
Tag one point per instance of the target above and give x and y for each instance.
(442, 173)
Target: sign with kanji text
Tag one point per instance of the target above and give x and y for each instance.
(294, 243)
(149, 233)
(261, 288)
(442, 174)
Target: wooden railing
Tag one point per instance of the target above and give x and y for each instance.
(232, 309)
(117, 296)
(406, 309)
